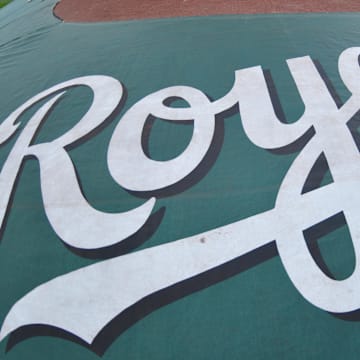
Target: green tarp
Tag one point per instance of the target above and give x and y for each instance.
(250, 310)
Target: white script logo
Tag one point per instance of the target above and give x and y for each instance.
(108, 288)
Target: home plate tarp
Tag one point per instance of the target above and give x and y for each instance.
(182, 188)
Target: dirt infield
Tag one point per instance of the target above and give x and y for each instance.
(108, 10)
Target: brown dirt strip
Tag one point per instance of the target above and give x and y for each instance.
(110, 10)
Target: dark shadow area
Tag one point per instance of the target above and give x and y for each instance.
(353, 125)
(312, 235)
(316, 232)
(316, 175)
(274, 96)
(349, 316)
(295, 146)
(29, 331)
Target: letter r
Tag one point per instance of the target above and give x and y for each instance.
(70, 215)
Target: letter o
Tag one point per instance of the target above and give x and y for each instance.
(132, 168)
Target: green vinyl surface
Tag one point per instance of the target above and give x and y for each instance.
(255, 314)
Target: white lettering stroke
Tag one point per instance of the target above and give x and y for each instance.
(107, 288)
